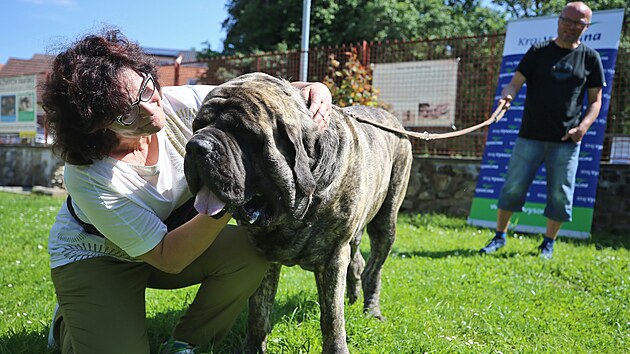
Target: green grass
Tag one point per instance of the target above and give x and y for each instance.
(439, 295)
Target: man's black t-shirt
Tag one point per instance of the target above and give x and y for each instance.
(556, 81)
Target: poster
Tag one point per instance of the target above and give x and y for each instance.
(18, 104)
(421, 93)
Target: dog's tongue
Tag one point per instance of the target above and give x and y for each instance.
(207, 202)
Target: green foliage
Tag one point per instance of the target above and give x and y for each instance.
(276, 25)
(271, 25)
(261, 25)
(438, 294)
(223, 69)
(351, 84)
(533, 8)
(207, 53)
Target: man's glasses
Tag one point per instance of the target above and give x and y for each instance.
(146, 92)
(574, 23)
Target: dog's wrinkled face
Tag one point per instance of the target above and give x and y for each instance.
(248, 151)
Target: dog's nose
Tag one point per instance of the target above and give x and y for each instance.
(198, 146)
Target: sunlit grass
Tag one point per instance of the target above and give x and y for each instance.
(439, 295)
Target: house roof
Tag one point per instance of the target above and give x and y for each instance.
(168, 56)
(162, 52)
(38, 64)
(41, 63)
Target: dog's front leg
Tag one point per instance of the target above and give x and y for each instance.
(330, 281)
(260, 311)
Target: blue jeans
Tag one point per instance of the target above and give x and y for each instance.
(561, 162)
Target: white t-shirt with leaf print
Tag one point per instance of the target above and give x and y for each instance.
(128, 203)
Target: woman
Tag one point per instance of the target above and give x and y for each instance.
(127, 224)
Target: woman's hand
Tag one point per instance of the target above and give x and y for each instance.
(319, 99)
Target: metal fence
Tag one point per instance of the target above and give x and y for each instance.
(479, 60)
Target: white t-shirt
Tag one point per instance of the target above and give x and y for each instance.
(127, 203)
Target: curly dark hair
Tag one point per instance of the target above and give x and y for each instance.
(84, 94)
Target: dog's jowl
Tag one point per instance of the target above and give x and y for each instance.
(305, 194)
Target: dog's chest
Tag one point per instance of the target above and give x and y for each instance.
(307, 246)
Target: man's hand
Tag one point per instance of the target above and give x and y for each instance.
(319, 99)
(507, 99)
(592, 110)
(576, 134)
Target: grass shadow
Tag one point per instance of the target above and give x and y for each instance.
(434, 254)
(25, 342)
(299, 307)
(460, 253)
(425, 220)
(603, 240)
(161, 325)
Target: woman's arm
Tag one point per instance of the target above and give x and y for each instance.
(183, 245)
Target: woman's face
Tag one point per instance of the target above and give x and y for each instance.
(146, 114)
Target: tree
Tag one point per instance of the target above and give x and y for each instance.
(533, 8)
(275, 25)
(270, 25)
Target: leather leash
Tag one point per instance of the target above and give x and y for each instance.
(495, 117)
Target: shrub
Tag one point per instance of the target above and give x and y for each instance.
(351, 84)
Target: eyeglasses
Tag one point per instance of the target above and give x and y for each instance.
(145, 94)
(574, 23)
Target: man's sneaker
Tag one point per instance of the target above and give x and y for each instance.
(172, 346)
(52, 342)
(546, 250)
(494, 245)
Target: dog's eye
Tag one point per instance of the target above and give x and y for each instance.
(198, 123)
(232, 126)
(208, 117)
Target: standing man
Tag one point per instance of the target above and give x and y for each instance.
(557, 72)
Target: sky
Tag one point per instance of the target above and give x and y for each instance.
(31, 27)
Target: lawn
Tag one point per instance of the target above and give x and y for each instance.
(439, 295)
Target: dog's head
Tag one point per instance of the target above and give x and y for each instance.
(249, 151)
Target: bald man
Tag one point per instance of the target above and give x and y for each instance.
(557, 72)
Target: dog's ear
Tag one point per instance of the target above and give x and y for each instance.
(291, 118)
(302, 169)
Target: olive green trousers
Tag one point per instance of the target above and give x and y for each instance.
(102, 300)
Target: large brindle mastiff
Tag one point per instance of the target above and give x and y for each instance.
(305, 194)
